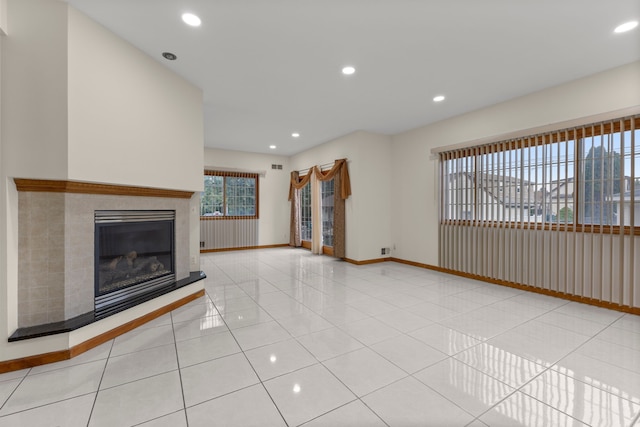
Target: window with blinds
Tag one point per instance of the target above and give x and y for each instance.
(587, 177)
(327, 191)
(229, 211)
(306, 226)
(558, 211)
(229, 195)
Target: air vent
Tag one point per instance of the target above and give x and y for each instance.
(279, 167)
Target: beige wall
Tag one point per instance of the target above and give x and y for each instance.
(105, 111)
(76, 101)
(414, 175)
(132, 121)
(3, 16)
(274, 189)
(34, 97)
(3, 192)
(368, 210)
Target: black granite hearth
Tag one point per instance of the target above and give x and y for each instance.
(88, 318)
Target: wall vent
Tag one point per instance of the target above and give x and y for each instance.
(278, 167)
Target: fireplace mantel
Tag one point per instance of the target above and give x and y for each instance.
(56, 242)
(55, 186)
(56, 275)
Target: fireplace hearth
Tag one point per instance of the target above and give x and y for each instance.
(134, 257)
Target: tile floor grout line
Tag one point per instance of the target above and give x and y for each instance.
(15, 389)
(258, 377)
(636, 420)
(318, 362)
(319, 271)
(46, 404)
(159, 417)
(104, 370)
(175, 346)
(546, 369)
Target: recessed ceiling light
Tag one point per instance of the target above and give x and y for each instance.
(191, 19)
(627, 26)
(295, 135)
(348, 70)
(170, 56)
(438, 98)
(273, 147)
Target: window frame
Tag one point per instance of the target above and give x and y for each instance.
(302, 217)
(225, 175)
(474, 156)
(324, 193)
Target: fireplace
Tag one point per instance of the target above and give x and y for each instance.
(134, 258)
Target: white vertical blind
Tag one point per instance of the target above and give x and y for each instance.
(229, 217)
(556, 211)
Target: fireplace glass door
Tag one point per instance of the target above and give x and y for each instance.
(134, 254)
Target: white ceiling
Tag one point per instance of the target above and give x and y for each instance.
(272, 67)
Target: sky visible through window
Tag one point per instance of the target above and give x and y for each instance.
(538, 180)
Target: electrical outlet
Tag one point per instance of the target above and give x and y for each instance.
(193, 259)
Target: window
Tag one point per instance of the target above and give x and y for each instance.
(305, 212)
(327, 212)
(229, 195)
(581, 177)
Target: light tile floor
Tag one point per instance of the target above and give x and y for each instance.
(284, 338)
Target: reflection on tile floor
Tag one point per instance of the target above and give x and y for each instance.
(286, 338)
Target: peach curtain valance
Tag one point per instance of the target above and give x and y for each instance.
(340, 166)
(297, 183)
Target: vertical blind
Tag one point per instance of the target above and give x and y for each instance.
(558, 211)
(229, 210)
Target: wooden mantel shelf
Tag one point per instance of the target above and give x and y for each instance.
(53, 186)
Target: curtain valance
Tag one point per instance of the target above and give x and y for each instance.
(340, 166)
(297, 183)
(342, 190)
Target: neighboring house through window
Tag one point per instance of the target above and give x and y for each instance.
(327, 212)
(229, 195)
(305, 213)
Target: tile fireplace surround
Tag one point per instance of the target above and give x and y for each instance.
(56, 242)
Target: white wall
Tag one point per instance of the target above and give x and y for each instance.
(274, 188)
(368, 209)
(3, 187)
(3, 16)
(75, 101)
(34, 98)
(132, 121)
(414, 176)
(93, 107)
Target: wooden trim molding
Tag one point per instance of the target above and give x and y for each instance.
(242, 248)
(365, 262)
(57, 356)
(548, 292)
(577, 228)
(53, 186)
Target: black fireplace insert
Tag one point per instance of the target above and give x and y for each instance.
(134, 257)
